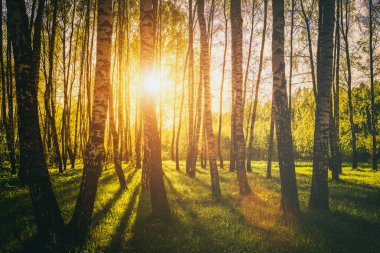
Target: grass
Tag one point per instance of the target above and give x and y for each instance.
(253, 223)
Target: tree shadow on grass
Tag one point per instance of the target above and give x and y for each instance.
(100, 215)
(351, 226)
(118, 242)
(68, 193)
(337, 232)
(156, 236)
(66, 196)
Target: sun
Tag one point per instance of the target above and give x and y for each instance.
(154, 84)
(151, 84)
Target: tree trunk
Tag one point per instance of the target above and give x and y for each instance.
(190, 165)
(373, 108)
(205, 62)
(48, 96)
(337, 82)
(319, 196)
(270, 144)
(121, 70)
(345, 30)
(336, 162)
(310, 47)
(222, 86)
(152, 144)
(253, 118)
(198, 123)
(36, 57)
(291, 57)
(289, 191)
(172, 151)
(177, 167)
(127, 140)
(94, 154)
(334, 142)
(46, 211)
(70, 151)
(7, 120)
(249, 54)
(237, 85)
(115, 141)
(138, 129)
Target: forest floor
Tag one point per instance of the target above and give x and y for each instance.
(121, 221)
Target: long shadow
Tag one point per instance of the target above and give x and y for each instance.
(343, 224)
(223, 202)
(340, 232)
(197, 180)
(226, 204)
(337, 231)
(116, 243)
(180, 199)
(100, 215)
(155, 236)
(69, 192)
(131, 175)
(201, 171)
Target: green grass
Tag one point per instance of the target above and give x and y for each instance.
(253, 223)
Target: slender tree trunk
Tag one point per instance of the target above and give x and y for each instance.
(345, 30)
(289, 191)
(337, 82)
(270, 144)
(373, 108)
(336, 164)
(138, 131)
(172, 151)
(190, 165)
(89, 55)
(232, 148)
(180, 121)
(11, 118)
(233, 128)
(249, 54)
(70, 148)
(291, 57)
(115, 141)
(121, 71)
(46, 211)
(49, 105)
(94, 154)
(152, 144)
(198, 122)
(319, 196)
(310, 47)
(7, 120)
(158, 36)
(65, 69)
(237, 84)
(205, 62)
(222, 85)
(127, 132)
(333, 141)
(203, 143)
(253, 118)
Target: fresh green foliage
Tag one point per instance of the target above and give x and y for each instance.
(254, 223)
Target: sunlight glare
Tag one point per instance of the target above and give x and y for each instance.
(151, 84)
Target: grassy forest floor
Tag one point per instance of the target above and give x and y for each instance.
(234, 224)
